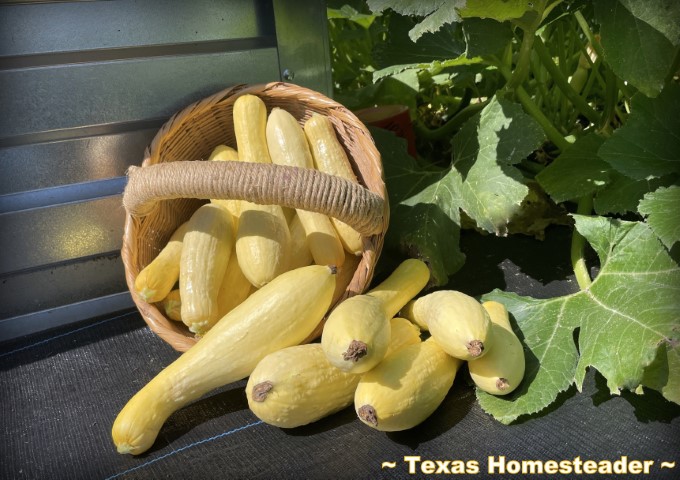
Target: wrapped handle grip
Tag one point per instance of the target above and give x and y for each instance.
(261, 183)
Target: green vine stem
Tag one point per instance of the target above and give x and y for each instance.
(611, 98)
(562, 82)
(450, 127)
(583, 23)
(521, 70)
(523, 60)
(532, 109)
(578, 244)
(549, 9)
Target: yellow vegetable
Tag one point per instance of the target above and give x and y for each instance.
(455, 320)
(156, 280)
(289, 213)
(501, 370)
(224, 153)
(330, 157)
(250, 121)
(403, 333)
(262, 243)
(279, 315)
(207, 247)
(404, 283)
(356, 334)
(172, 305)
(406, 387)
(498, 314)
(288, 146)
(322, 239)
(300, 255)
(263, 238)
(234, 288)
(297, 385)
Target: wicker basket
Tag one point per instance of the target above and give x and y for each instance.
(170, 186)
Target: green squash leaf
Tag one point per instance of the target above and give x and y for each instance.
(576, 172)
(485, 36)
(550, 354)
(662, 210)
(635, 38)
(499, 10)
(434, 13)
(623, 194)
(484, 150)
(662, 15)
(424, 212)
(349, 13)
(425, 201)
(631, 310)
(648, 143)
(399, 49)
(662, 373)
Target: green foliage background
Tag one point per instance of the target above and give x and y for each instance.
(527, 115)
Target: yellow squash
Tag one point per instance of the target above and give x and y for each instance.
(404, 283)
(297, 385)
(300, 255)
(234, 288)
(403, 333)
(156, 280)
(455, 320)
(330, 157)
(406, 387)
(224, 153)
(263, 238)
(281, 314)
(357, 332)
(288, 146)
(205, 254)
(172, 305)
(501, 370)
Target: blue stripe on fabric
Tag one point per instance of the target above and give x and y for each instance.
(186, 447)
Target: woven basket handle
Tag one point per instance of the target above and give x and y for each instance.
(261, 183)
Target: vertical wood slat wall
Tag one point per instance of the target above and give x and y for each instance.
(84, 86)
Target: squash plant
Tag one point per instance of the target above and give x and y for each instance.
(528, 114)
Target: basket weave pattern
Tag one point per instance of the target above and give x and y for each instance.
(156, 205)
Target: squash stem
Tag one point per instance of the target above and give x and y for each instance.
(578, 243)
(452, 126)
(532, 109)
(562, 83)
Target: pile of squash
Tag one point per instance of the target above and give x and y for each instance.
(255, 281)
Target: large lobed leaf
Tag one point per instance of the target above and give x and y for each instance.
(425, 201)
(424, 212)
(639, 40)
(399, 49)
(434, 13)
(623, 194)
(499, 10)
(485, 36)
(648, 144)
(661, 208)
(619, 171)
(627, 321)
(578, 171)
(491, 189)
